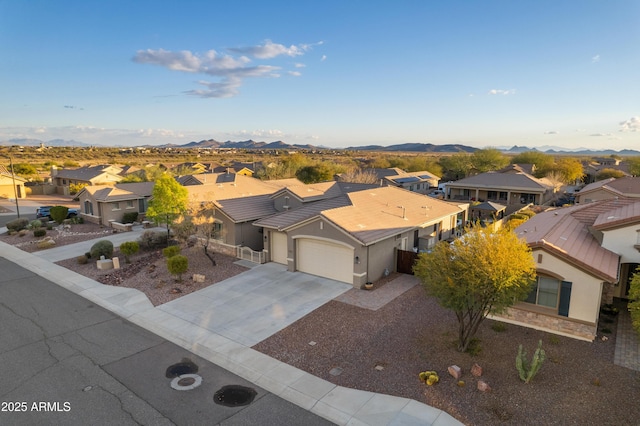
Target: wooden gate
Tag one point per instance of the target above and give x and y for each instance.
(405, 261)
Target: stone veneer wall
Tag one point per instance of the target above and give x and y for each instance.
(607, 293)
(551, 323)
(222, 248)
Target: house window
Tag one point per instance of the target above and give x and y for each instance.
(217, 230)
(551, 293)
(88, 207)
(142, 206)
(115, 206)
(492, 195)
(129, 204)
(502, 196)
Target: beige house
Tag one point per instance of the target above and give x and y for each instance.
(104, 174)
(609, 188)
(103, 204)
(7, 182)
(354, 237)
(511, 185)
(585, 256)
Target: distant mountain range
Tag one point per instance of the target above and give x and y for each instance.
(406, 147)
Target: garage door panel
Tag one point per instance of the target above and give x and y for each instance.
(325, 259)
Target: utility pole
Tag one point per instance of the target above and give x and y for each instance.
(15, 189)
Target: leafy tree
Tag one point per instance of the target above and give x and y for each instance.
(609, 173)
(634, 300)
(168, 202)
(456, 166)
(321, 172)
(74, 188)
(569, 169)
(634, 165)
(543, 162)
(478, 274)
(24, 169)
(485, 160)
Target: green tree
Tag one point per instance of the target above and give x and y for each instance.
(456, 166)
(129, 248)
(569, 169)
(478, 274)
(634, 165)
(634, 300)
(168, 202)
(488, 159)
(609, 173)
(24, 169)
(321, 172)
(543, 162)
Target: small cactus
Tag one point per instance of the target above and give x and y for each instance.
(429, 377)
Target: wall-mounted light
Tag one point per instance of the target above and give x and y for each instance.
(357, 260)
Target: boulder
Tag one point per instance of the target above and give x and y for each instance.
(476, 370)
(483, 386)
(455, 371)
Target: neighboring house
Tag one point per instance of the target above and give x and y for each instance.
(585, 256)
(419, 182)
(246, 169)
(506, 186)
(102, 203)
(353, 237)
(594, 167)
(7, 182)
(104, 174)
(609, 188)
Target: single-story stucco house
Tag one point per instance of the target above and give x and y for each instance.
(104, 203)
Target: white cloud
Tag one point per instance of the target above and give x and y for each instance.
(630, 125)
(502, 92)
(595, 59)
(323, 58)
(551, 132)
(299, 65)
(295, 73)
(230, 69)
(270, 50)
(600, 134)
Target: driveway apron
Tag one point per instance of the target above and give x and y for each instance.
(256, 304)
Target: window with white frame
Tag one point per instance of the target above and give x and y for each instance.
(129, 204)
(115, 206)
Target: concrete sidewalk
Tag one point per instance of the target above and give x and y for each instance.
(340, 405)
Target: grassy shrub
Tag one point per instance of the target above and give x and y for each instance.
(35, 224)
(102, 248)
(17, 224)
(171, 251)
(22, 232)
(39, 232)
(45, 244)
(82, 260)
(58, 213)
(129, 248)
(178, 265)
(130, 217)
(153, 239)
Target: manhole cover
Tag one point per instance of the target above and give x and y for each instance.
(186, 366)
(234, 396)
(186, 382)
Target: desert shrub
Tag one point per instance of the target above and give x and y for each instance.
(49, 227)
(45, 244)
(528, 371)
(39, 232)
(177, 265)
(129, 248)
(130, 217)
(88, 255)
(171, 251)
(499, 327)
(22, 232)
(102, 248)
(35, 224)
(528, 213)
(153, 239)
(58, 213)
(82, 260)
(17, 224)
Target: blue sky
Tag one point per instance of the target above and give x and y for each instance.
(331, 73)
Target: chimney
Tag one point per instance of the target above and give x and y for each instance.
(54, 171)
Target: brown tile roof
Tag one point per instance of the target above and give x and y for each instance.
(377, 214)
(110, 193)
(498, 180)
(284, 220)
(627, 186)
(565, 233)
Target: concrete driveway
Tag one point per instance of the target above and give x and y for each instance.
(252, 306)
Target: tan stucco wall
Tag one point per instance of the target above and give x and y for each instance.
(586, 290)
(621, 242)
(595, 195)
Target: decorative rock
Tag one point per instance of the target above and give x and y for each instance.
(476, 370)
(199, 278)
(104, 263)
(455, 371)
(116, 263)
(483, 386)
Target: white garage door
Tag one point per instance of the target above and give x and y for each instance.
(279, 247)
(325, 259)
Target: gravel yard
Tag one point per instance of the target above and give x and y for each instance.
(384, 350)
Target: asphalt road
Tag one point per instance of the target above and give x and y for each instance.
(66, 361)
